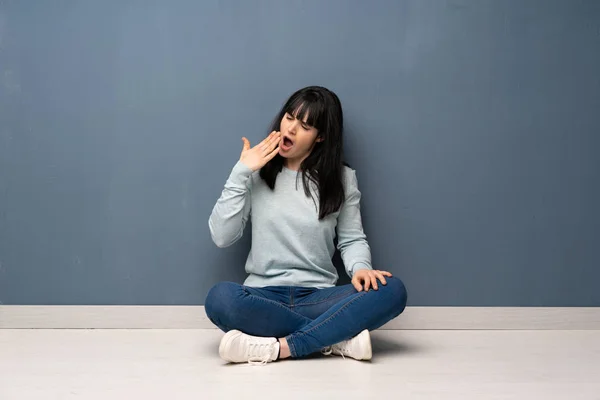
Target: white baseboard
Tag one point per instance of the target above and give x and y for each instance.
(194, 317)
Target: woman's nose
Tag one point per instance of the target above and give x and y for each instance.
(292, 127)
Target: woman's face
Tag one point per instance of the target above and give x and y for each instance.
(297, 140)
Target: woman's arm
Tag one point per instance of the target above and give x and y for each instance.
(352, 241)
(232, 210)
(229, 216)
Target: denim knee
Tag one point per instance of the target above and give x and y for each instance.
(396, 295)
(219, 301)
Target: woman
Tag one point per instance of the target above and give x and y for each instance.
(299, 196)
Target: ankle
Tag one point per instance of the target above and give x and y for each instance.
(284, 349)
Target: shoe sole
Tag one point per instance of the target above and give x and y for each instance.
(224, 345)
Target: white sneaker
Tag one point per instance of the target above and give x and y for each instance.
(359, 347)
(237, 347)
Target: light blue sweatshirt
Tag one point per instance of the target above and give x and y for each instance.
(290, 246)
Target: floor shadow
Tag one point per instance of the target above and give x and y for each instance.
(383, 344)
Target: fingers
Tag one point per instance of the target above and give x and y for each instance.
(369, 279)
(379, 275)
(272, 154)
(357, 284)
(367, 283)
(373, 281)
(273, 136)
(273, 143)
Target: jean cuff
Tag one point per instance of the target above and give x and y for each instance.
(292, 346)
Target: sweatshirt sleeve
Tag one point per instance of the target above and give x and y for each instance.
(352, 241)
(232, 210)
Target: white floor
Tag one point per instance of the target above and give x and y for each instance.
(184, 364)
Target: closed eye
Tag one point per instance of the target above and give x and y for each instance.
(303, 124)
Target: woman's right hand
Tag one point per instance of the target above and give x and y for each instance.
(256, 157)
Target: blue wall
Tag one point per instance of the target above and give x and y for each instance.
(474, 127)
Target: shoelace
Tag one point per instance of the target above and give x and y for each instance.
(327, 351)
(260, 353)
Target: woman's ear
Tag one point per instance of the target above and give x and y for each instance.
(319, 139)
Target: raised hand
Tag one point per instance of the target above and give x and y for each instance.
(256, 157)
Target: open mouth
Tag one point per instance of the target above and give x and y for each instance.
(286, 143)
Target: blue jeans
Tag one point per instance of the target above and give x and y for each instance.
(310, 319)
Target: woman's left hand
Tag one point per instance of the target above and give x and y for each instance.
(368, 278)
